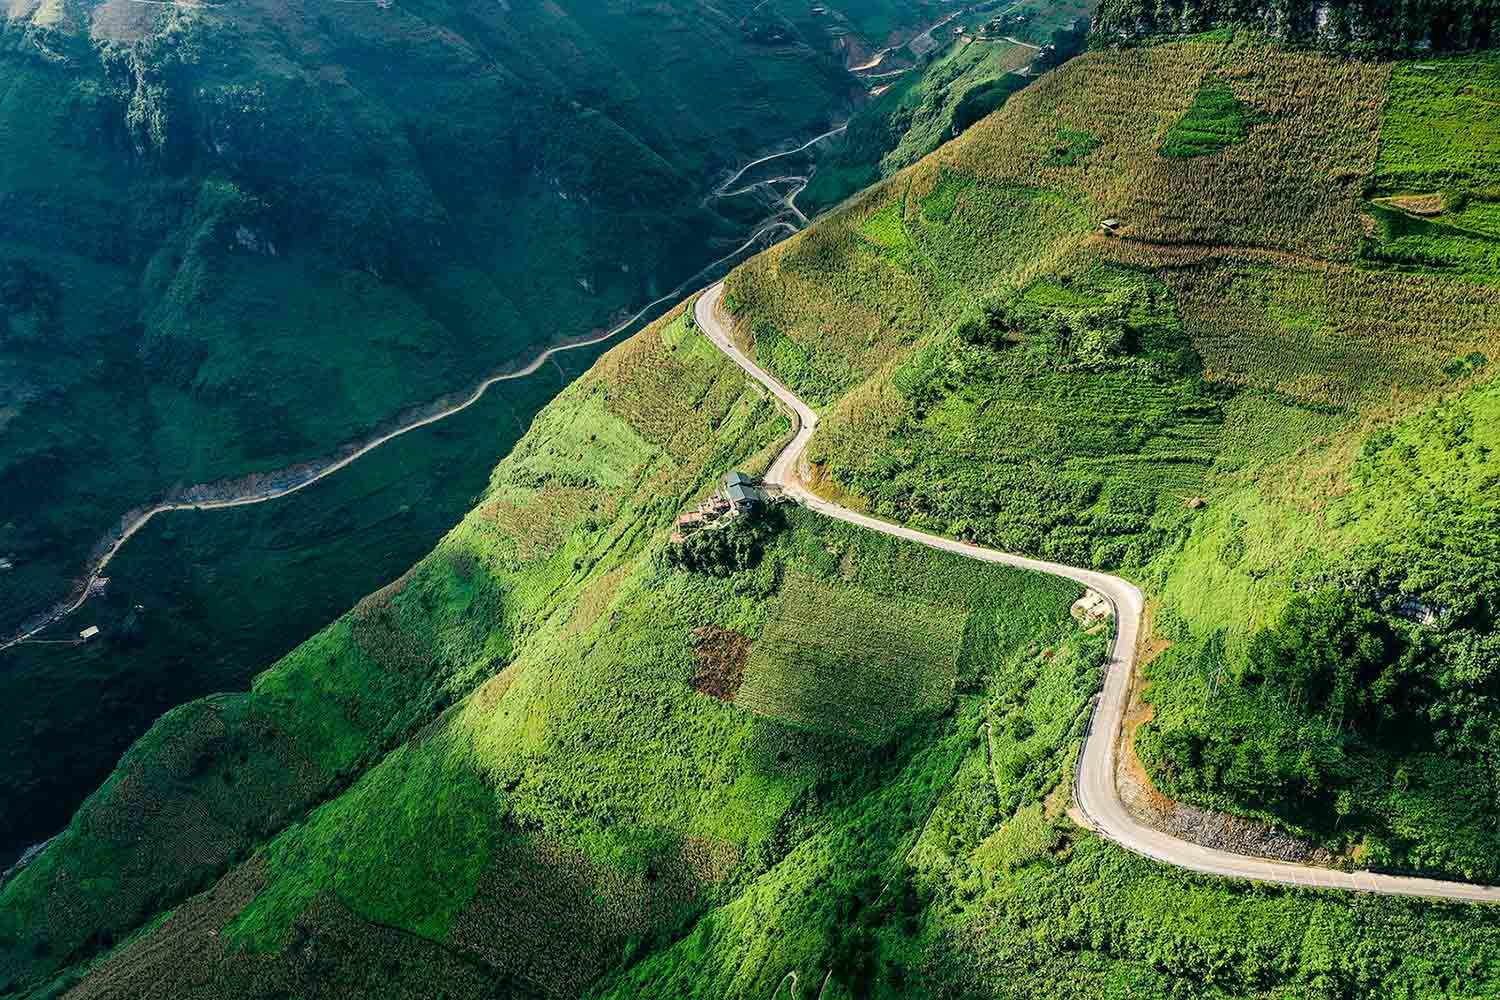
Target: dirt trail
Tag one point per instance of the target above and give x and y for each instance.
(264, 487)
(1098, 797)
(273, 485)
(723, 189)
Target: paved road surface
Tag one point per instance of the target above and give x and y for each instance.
(1095, 789)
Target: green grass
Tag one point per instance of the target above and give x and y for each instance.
(589, 761)
(1072, 148)
(1412, 523)
(1428, 141)
(988, 444)
(960, 879)
(1430, 145)
(1216, 120)
(886, 230)
(852, 662)
(938, 205)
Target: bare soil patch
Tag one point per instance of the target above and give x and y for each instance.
(1415, 204)
(722, 654)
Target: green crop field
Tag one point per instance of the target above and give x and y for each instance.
(1215, 120)
(1436, 177)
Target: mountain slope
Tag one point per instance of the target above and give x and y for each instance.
(593, 809)
(238, 239)
(1207, 397)
(811, 758)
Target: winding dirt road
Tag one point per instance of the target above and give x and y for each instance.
(225, 494)
(723, 189)
(1094, 789)
(318, 471)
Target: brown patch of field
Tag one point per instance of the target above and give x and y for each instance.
(721, 654)
(539, 523)
(548, 915)
(485, 700)
(331, 952)
(1426, 205)
(709, 860)
(387, 593)
(376, 630)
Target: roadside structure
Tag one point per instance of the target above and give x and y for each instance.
(736, 494)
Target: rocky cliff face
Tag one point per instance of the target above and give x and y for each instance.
(1373, 27)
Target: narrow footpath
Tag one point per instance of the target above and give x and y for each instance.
(1094, 790)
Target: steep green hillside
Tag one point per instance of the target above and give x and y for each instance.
(1235, 397)
(564, 765)
(563, 757)
(579, 495)
(918, 110)
(234, 239)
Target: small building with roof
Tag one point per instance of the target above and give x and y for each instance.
(741, 492)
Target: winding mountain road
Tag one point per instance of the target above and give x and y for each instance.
(1094, 789)
(198, 498)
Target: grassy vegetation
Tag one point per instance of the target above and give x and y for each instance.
(991, 892)
(1215, 120)
(1343, 707)
(1436, 188)
(1186, 400)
